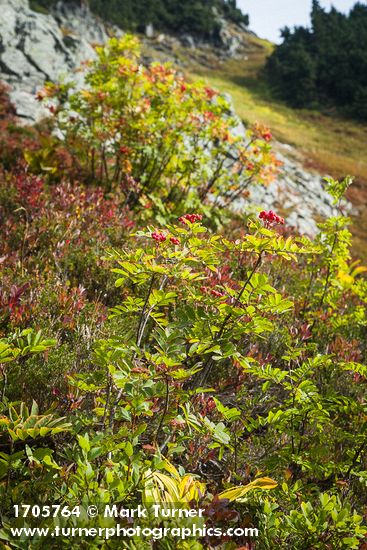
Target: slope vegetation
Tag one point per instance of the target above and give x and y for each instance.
(325, 141)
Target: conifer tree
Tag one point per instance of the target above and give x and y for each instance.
(326, 64)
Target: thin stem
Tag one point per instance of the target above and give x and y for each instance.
(237, 300)
(146, 317)
(5, 383)
(141, 320)
(112, 415)
(203, 375)
(165, 410)
(235, 450)
(108, 398)
(356, 457)
(7, 483)
(328, 273)
(302, 432)
(24, 240)
(302, 313)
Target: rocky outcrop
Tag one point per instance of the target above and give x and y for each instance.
(185, 49)
(35, 47)
(298, 194)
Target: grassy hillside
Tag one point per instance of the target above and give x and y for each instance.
(325, 141)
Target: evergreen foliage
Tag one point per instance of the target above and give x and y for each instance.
(198, 17)
(326, 64)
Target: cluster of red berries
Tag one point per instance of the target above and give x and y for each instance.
(192, 218)
(267, 135)
(270, 217)
(159, 237)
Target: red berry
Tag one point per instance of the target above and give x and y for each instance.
(174, 240)
(192, 218)
(159, 237)
(270, 217)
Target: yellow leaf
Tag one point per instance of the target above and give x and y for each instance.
(171, 469)
(345, 278)
(263, 483)
(358, 271)
(191, 489)
(288, 474)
